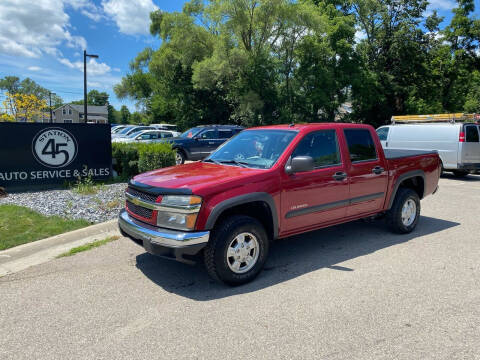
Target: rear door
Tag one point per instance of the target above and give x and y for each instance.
(319, 196)
(366, 171)
(470, 149)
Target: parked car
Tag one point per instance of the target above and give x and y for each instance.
(198, 142)
(273, 182)
(172, 128)
(129, 130)
(457, 143)
(145, 136)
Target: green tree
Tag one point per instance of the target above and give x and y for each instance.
(124, 115)
(13, 85)
(243, 62)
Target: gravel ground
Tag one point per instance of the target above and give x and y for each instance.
(102, 206)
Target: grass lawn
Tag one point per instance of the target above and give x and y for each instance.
(89, 246)
(20, 225)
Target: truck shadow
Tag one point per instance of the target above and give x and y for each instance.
(288, 258)
(468, 178)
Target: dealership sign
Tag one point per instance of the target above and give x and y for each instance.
(49, 154)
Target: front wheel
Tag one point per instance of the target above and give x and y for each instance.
(179, 157)
(403, 217)
(237, 250)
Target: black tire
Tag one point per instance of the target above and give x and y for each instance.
(394, 215)
(179, 157)
(215, 254)
(442, 169)
(460, 173)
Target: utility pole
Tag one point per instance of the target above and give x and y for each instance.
(50, 103)
(85, 55)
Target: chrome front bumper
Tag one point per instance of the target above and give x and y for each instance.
(159, 236)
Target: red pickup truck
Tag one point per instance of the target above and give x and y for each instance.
(272, 182)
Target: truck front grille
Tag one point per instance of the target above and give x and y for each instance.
(139, 210)
(142, 195)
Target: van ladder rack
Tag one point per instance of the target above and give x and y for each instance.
(435, 118)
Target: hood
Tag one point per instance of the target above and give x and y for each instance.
(200, 177)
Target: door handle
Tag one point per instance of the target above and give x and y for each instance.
(378, 170)
(211, 143)
(339, 176)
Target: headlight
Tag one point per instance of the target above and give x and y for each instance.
(181, 201)
(179, 211)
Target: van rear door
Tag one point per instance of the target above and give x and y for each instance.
(469, 151)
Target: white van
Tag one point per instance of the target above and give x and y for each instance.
(457, 143)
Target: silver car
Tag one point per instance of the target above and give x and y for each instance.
(145, 136)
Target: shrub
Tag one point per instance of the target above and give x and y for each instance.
(132, 159)
(125, 159)
(155, 156)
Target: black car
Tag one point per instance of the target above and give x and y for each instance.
(198, 142)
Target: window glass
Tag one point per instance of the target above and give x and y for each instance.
(471, 133)
(322, 146)
(164, 135)
(209, 134)
(225, 134)
(69, 111)
(383, 133)
(64, 112)
(191, 133)
(360, 145)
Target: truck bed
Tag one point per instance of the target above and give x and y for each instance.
(391, 154)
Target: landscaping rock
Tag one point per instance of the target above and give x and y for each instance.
(99, 207)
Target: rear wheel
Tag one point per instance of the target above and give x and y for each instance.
(237, 250)
(179, 157)
(403, 217)
(460, 173)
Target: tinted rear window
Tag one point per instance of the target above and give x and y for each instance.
(360, 145)
(471, 133)
(225, 133)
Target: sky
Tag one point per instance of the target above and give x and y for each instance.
(44, 40)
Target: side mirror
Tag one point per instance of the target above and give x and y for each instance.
(300, 164)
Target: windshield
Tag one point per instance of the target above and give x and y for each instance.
(191, 133)
(254, 148)
(117, 129)
(132, 135)
(125, 130)
(135, 130)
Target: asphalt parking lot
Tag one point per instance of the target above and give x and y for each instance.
(353, 291)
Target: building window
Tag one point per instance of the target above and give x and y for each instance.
(64, 111)
(69, 111)
(67, 121)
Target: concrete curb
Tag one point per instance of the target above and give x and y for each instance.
(38, 252)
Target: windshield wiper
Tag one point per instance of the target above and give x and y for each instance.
(235, 162)
(212, 161)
